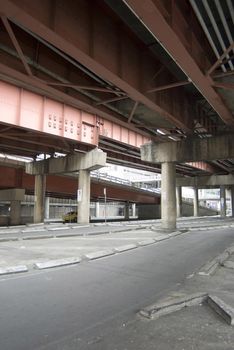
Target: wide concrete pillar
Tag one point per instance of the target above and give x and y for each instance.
(15, 213)
(222, 201)
(84, 197)
(179, 201)
(47, 207)
(168, 196)
(39, 198)
(195, 202)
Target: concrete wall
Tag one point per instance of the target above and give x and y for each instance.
(187, 210)
(153, 211)
(149, 211)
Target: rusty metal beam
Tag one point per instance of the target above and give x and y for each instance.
(153, 19)
(169, 86)
(16, 44)
(222, 75)
(226, 86)
(61, 40)
(220, 60)
(110, 100)
(158, 72)
(83, 87)
(133, 111)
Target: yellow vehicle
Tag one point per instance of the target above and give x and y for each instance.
(70, 217)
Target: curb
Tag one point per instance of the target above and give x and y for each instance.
(173, 304)
(62, 235)
(221, 308)
(90, 256)
(209, 268)
(33, 230)
(99, 254)
(230, 250)
(69, 235)
(58, 228)
(9, 232)
(202, 228)
(9, 239)
(228, 264)
(146, 242)
(37, 237)
(13, 269)
(56, 263)
(126, 247)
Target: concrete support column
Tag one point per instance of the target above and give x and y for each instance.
(222, 201)
(97, 209)
(47, 207)
(179, 201)
(15, 217)
(168, 197)
(195, 202)
(39, 195)
(84, 194)
(232, 201)
(126, 211)
(133, 209)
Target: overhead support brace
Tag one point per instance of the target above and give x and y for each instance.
(133, 111)
(16, 44)
(169, 86)
(153, 19)
(92, 160)
(220, 60)
(58, 38)
(225, 86)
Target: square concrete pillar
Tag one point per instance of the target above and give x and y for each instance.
(97, 209)
(195, 202)
(15, 213)
(179, 201)
(126, 211)
(222, 201)
(168, 196)
(39, 198)
(84, 197)
(232, 200)
(47, 207)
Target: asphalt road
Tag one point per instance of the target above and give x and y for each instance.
(69, 308)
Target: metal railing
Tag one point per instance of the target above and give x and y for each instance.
(105, 177)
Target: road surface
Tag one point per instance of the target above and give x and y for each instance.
(69, 308)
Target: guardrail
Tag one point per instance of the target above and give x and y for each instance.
(126, 182)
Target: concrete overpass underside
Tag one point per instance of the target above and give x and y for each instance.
(66, 187)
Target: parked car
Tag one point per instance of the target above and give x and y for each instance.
(70, 217)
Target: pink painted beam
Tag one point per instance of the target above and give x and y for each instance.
(29, 110)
